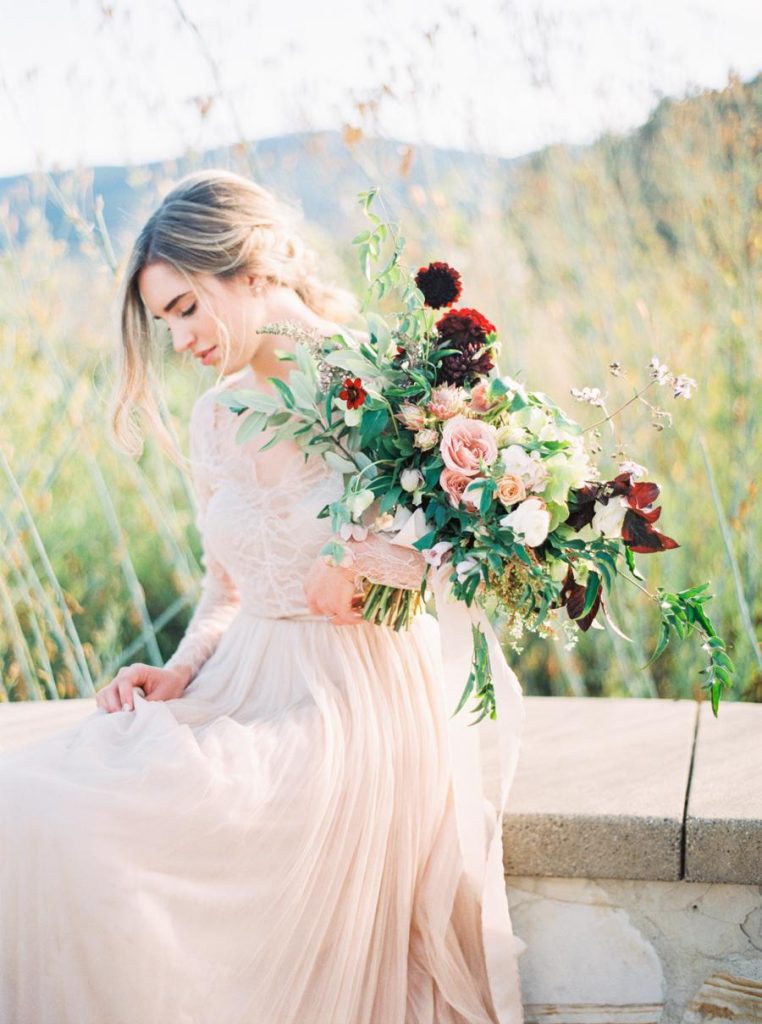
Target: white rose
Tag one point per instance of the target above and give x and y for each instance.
(528, 467)
(411, 479)
(530, 521)
(510, 433)
(608, 518)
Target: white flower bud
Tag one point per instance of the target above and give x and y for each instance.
(411, 479)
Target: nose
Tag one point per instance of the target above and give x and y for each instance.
(182, 339)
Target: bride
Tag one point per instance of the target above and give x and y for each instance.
(263, 830)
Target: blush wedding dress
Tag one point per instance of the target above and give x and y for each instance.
(279, 845)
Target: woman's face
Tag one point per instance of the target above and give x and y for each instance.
(192, 315)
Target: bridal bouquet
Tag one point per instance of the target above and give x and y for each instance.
(491, 481)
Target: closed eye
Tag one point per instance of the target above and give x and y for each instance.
(190, 310)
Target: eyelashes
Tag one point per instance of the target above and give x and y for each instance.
(190, 310)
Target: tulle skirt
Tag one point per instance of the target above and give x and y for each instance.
(277, 846)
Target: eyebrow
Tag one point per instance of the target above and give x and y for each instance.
(169, 305)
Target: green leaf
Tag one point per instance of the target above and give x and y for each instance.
(427, 541)
(339, 463)
(253, 400)
(661, 645)
(389, 500)
(591, 592)
(285, 391)
(254, 423)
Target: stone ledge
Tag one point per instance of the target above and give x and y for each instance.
(601, 787)
(628, 788)
(723, 824)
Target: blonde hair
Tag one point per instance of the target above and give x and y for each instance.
(212, 222)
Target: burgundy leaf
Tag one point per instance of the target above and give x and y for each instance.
(640, 537)
(643, 494)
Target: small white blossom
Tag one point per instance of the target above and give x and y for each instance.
(434, 555)
(590, 395)
(463, 569)
(682, 386)
(353, 531)
(634, 468)
(383, 522)
(658, 371)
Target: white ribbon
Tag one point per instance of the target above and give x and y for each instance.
(483, 853)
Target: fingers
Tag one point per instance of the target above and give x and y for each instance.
(108, 697)
(125, 686)
(118, 695)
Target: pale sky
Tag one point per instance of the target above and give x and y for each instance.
(87, 82)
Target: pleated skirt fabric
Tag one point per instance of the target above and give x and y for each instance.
(277, 846)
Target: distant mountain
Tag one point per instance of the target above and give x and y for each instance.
(324, 171)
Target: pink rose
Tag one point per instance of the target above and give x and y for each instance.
(479, 401)
(510, 489)
(446, 401)
(466, 444)
(454, 485)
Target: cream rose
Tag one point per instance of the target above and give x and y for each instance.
(510, 489)
(466, 444)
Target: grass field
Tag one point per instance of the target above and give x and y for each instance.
(640, 245)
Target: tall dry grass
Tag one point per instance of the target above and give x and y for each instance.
(647, 244)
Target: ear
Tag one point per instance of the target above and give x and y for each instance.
(254, 283)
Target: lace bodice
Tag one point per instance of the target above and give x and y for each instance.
(257, 515)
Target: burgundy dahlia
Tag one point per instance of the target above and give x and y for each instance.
(465, 330)
(440, 284)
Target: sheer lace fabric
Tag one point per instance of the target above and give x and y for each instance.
(278, 494)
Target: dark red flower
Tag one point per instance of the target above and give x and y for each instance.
(440, 284)
(465, 330)
(353, 393)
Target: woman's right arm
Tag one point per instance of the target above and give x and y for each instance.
(219, 600)
(217, 605)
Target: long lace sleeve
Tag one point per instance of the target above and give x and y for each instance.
(219, 600)
(380, 561)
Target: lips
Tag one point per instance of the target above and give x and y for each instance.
(205, 354)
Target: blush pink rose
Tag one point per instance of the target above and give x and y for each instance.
(466, 444)
(454, 485)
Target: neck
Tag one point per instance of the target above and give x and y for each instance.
(283, 304)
